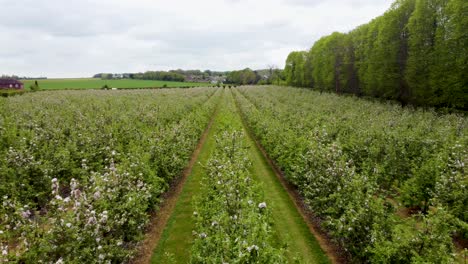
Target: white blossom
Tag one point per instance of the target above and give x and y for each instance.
(26, 214)
(253, 247)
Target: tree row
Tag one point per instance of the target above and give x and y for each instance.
(415, 53)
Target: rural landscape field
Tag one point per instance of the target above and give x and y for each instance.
(96, 83)
(352, 150)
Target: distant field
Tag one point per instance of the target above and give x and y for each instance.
(93, 83)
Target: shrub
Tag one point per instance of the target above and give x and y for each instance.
(8, 93)
(35, 87)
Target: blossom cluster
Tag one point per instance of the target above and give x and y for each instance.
(233, 222)
(82, 171)
(357, 162)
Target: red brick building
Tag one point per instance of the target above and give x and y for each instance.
(11, 84)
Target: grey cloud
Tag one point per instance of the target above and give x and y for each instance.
(77, 38)
(65, 18)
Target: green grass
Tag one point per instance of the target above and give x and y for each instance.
(94, 83)
(175, 244)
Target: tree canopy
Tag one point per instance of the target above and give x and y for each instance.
(416, 53)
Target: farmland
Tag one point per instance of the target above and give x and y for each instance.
(243, 175)
(389, 183)
(196, 142)
(230, 189)
(81, 170)
(93, 83)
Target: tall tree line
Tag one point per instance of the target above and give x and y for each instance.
(416, 53)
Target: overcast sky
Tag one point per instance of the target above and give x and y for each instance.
(77, 38)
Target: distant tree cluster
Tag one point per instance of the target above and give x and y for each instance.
(243, 77)
(110, 76)
(5, 76)
(272, 75)
(160, 76)
(416, 53)
(149, 75)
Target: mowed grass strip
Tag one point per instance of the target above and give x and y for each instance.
(95, 83)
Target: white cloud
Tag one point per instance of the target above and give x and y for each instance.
(76, 38)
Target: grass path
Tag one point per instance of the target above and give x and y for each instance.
(174, 245)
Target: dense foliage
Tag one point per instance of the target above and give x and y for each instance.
(233, 222)
(415, 53)
(80, 171)
(160, 76)
(361, 165)
(243, 77)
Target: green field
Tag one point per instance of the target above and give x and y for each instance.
(94, 83)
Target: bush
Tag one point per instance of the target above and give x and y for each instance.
(8, 93)
(35, 87)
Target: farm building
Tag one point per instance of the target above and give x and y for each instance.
(11, 84)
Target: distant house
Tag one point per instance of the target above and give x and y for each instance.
(11, 84)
